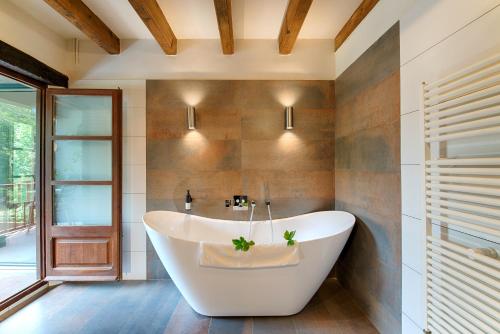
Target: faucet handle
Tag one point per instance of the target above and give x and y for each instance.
(268, 202)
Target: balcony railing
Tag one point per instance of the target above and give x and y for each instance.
(17, 206)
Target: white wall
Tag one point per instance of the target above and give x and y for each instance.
(203, 59)
(28, 35)
(134, 172)
(437, 38)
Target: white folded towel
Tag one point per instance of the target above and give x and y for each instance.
(258, 256)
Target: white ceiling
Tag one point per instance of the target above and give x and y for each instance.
(195, 19)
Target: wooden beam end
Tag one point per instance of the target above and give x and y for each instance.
(359, 14)
(115, 49)
(285, 50)
(170, 49)
(228, 51)
(151, 14)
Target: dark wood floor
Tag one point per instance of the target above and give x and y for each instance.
(157, 307)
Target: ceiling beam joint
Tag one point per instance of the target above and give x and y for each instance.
(151, 14)
(76, 12)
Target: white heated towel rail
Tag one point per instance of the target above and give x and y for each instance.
(462, 197)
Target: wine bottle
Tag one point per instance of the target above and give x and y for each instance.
(189, 199)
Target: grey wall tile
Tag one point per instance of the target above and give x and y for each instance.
(368, 180)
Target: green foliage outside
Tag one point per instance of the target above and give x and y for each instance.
(17, 157)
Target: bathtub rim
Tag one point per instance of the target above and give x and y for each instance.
(226, 221)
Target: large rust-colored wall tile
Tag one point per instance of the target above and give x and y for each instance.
(214, 207)
(375, 64)
(179, 93)
(239, 147)
(288, 184)
(310, 124)
(211, 124)
(172, 184)
(377, 238)
(195, 155)
(378, 193)
(368, 181)
(376, 106)
(217, 112)
(376, 149)
(312, 94)
(287, 153)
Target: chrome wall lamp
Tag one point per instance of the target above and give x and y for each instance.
(288, 118)
(191, 118)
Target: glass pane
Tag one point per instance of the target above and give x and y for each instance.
(87, 160)
(82, 205)
(18, 208)
(78, 115)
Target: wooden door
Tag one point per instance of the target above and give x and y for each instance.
(83, 184)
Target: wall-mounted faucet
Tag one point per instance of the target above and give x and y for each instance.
(253, 205)
(268, 204)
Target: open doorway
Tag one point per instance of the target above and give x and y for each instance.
(20, 254)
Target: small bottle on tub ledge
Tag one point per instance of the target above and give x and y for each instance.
(189, 200)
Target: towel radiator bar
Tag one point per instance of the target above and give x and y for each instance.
(462, 200)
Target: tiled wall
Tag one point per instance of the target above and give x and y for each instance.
(367, 179)
(134, 172)
(239, 147)
(430, 49)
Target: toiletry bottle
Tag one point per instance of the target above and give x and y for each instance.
(189, 199)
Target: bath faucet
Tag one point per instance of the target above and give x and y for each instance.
(252, 204)
(268, 204)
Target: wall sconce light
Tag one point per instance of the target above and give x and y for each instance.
(288, 118)
(191, 118)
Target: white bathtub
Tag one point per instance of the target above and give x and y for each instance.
(247, 292)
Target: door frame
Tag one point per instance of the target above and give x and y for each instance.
(39, 185)
(74, 274)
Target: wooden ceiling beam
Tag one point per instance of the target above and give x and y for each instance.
(359, 14)
(152, 16)
(225, 22)
(293, 19)
(76, 12)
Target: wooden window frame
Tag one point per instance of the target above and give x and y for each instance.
(39, 184)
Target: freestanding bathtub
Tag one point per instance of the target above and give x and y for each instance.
(275, 291)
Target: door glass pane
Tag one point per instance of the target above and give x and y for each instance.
(82, 205)
(18, 206)
(79, 115)
(87, 160)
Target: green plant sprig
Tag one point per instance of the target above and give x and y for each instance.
(289, 237)
(242, 245)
